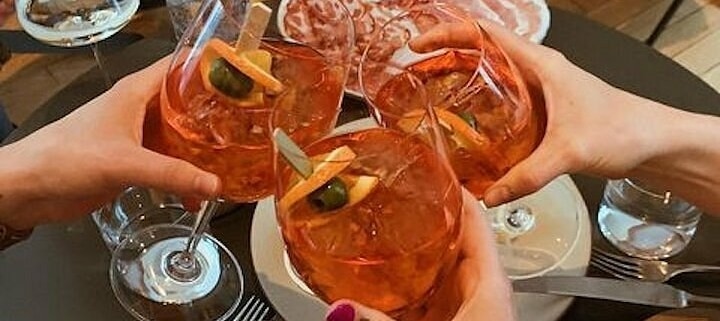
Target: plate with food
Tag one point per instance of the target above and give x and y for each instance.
(527, 18)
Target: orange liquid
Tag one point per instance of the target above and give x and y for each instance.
(512, 130)
(233, 141)
(390, 250)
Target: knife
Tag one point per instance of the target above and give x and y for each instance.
(637, 292)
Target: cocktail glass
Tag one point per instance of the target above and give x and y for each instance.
(227, 76)
(71, 23)
(485, 112)
(371, 214)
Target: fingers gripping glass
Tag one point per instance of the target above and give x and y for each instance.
(483, 108)
(342, 203)
(229, 72)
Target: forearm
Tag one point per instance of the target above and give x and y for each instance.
(15, 190)
(688, 163)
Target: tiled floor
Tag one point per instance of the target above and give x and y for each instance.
(692, 38)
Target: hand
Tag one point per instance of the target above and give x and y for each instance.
(7, 8)
(477, 289)
(72, 166)
(592, 127)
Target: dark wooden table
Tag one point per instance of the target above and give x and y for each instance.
(61, 272)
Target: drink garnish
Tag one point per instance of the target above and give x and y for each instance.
(228, 80)
(342, 190)
(462, 132)
(339, 159)
(361, 186)
(461, 127)
(292, 153)
(469, 118)
(322, 185)
(241, 61)
(330, 196)
(243, 72)
(258, 20)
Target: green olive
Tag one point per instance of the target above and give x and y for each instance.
(228, 80)
(469, 118)
(331, 196)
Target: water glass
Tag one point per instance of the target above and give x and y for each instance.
(645, 222)
(134, 209)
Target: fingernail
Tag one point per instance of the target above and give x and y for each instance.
(208, 184)
(497, 196)
(342, 312)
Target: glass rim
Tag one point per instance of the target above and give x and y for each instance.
(443, 7)
(484, 69)
(672, 197)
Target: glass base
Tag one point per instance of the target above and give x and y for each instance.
(140, 279)
(537, 232)
(642, 238)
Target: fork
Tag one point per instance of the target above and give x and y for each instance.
(253, 310)
(628, 268)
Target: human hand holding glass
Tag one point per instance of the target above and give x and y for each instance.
(99, 148)
(476, 288)
(342, 207)
(486, 114)
(221, 88)
(581, 110)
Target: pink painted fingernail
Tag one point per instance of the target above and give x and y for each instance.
(342, 312)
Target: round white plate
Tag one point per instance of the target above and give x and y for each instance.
(527, 18)
(295, 304)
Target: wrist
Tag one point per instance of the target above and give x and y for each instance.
(685, 157)
(14, 190)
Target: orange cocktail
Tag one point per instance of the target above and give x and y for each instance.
(487, 133)
(380, 225)
(229, 136)
(481, 102)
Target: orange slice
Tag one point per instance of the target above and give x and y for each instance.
(360, 187)
(217, 48)
(335, 162)
(462, 133)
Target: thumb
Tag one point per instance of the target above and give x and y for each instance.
(528, 176)
(150, 169)
(520, 50)
(346, 310)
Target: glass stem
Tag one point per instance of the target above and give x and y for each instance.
(101, 65)
(183, 266)
(207, 210)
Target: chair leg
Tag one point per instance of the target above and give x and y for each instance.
(663, 22)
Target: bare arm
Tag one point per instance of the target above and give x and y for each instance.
(597, 129)
(70, 167)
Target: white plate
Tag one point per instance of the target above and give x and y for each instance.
(295, 304)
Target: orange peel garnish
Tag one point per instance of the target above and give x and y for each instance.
(460, 131)
(334, 163)
(217, 48)
(360, 187)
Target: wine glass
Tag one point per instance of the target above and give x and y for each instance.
(229, 72)
(485, 111)
(74, 23)
(360, 219)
